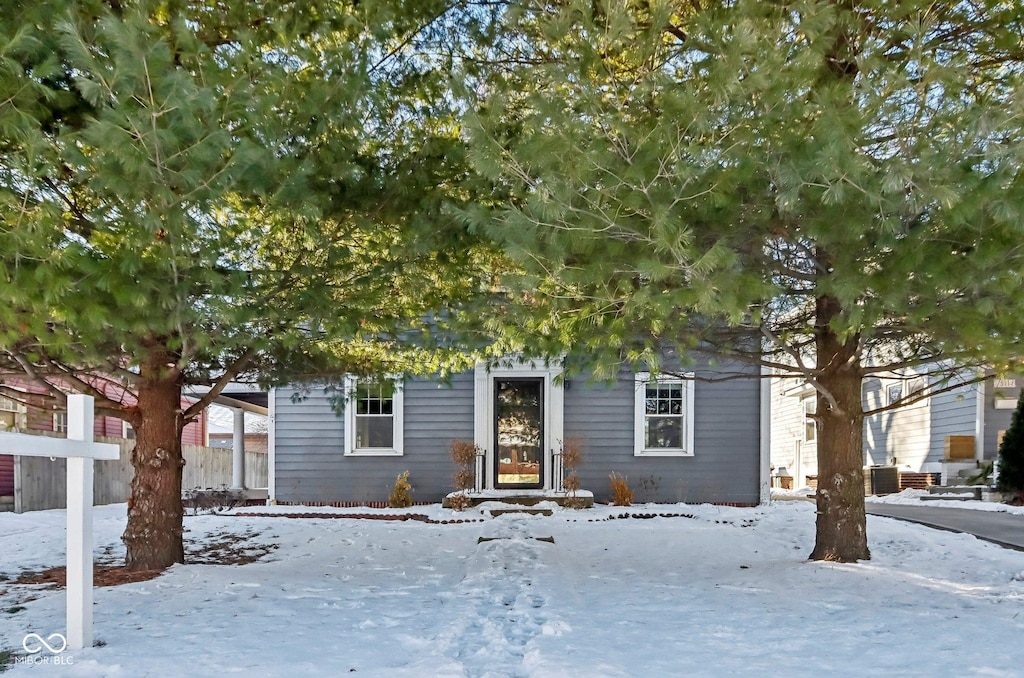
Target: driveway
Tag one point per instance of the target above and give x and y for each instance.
(1005, 529)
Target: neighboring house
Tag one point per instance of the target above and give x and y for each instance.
(967, 421)
(701, 439)
(16, 416)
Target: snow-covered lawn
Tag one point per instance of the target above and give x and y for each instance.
(725, 591)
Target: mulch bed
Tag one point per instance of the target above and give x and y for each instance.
(418, 517)
(215, 549)
(102, 575)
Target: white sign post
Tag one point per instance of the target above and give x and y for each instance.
(80, 452)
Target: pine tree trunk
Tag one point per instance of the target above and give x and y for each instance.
(841, 527)
(153, 534)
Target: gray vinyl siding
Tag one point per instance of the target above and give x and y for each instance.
(723, 469)
(311, 466)
(310, 462)
(954, 413)
(998, 420)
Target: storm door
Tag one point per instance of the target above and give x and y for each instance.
(519, 433)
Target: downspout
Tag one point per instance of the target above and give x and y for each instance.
(271, 456)
(979, 422)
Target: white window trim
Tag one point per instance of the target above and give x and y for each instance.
(20, 412)
(891, 384)
(908, 391)
(397, 410)
(804, 419)
(639, 413)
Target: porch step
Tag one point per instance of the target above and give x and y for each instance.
(7, 502)
(952, 471)
(495, 512)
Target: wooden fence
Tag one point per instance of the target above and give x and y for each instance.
(40, 483)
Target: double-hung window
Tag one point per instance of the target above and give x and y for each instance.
(809, 405)
(663, 416)
(60, 422)
(373, 418)
(8, 414)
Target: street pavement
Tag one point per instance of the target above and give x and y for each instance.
(1005, 529)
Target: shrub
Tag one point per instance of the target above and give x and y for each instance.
(460, 501)
(572, 457)
(572, 453)
(401, 493)
(647, 488)
(1011, 456)
(464, 455)
(464, 479)
(621, 494)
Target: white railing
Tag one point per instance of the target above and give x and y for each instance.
(480, 469)
(557, 471)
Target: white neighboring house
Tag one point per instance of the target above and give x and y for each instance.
(913, 438)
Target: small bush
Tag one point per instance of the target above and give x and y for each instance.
(401, 493)
(464, 479)
(572, 457)
(572, 453)
(647, 489)
(463, 453)
(460, 501)
(621, 494)
(210, 500)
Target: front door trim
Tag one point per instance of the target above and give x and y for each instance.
(484, 415)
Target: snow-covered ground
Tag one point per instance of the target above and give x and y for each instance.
(725, 591)
(914, 498)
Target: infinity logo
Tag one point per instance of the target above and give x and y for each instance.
(33, 649)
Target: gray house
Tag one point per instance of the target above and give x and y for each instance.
(700, 437)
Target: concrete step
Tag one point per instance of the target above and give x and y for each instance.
(495, 512)
(951, 470)
(7, 502)
(965, 491)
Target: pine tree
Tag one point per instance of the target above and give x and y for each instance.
(196, 193)
(832, 189)
(1011, 455)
